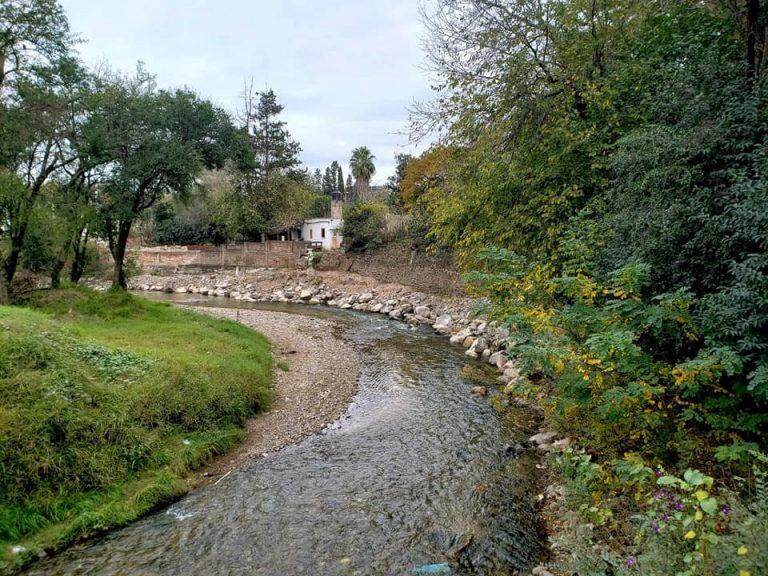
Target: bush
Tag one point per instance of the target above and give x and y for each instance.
(363, 227)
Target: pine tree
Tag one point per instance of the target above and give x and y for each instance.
(317, 180)
(340, 180)
(329, 181)
(273, 146)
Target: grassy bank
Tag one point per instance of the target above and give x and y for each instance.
(106, 402)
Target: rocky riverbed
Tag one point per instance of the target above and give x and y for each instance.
(459, 319)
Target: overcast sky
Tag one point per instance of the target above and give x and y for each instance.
(345, 70)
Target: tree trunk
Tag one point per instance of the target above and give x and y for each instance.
(753, 12)
(118, 279)
(78, 260)
(56, 269)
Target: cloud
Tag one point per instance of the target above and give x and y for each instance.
(345, 70)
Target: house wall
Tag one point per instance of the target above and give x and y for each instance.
(312, 231)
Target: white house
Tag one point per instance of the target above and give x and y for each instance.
(325, 230)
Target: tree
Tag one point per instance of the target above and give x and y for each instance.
(38, 91)
(34, 34)
(394, 182)
(339, 179)
(152, 144)
(329, 181)
(349, 185)
(317, 180)
(272, 144)
(362, 167)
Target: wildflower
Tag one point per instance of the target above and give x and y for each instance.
(742, 551)
(655, 528)
(725, 510)
(659, 473)
(690, 535)
(630, 561)
(745, 573)
(678, 505)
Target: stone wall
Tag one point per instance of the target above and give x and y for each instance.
(272, 253)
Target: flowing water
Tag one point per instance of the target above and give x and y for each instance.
(415, 478)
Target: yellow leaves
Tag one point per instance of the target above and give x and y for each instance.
(745, 573)
(594, 361)
(699, 515)
(701, 495)
(742, 551)
(690, 535)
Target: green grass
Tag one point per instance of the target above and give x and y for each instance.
(107, 401)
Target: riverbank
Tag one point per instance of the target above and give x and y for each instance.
(107, 402)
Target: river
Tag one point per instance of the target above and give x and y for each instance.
(415, 478)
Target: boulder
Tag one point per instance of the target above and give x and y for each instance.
(542, 438)
(469, 342)
(479, 391)
(365, 297)
(306, 295)
(444, 320)
(459, 337)
(376, 307)
(497, 359)
(181, 290)
(422, 311)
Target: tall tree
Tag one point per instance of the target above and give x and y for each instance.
(339, 179)
(362, 167)
(274, 149)
(153, 144)
(37, 78)
(329, 181)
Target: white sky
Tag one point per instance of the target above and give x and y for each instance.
(345, 70)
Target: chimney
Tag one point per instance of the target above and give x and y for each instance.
(337, 207)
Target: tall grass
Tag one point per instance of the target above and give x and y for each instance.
(106, 402)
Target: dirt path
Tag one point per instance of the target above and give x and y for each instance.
(314, 391)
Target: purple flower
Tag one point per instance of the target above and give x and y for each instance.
(665, 516)
(659, 473)
(726, 510)
(655, 528)
(678, 505)
(631, 561)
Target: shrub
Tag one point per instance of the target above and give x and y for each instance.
(363, 227)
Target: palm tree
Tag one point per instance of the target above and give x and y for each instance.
(362, 167)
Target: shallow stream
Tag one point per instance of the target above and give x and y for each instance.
(415, 478)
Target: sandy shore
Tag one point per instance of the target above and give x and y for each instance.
(315, 390)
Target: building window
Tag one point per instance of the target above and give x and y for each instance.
(322, 232)
(310, 233)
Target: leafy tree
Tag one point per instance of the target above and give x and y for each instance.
(38, 131)
(362, 167)
(153, 144)
(363, 227)
(395, 181)
(349, 184)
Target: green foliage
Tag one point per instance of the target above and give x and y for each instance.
(107, 402)
(363, 227)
